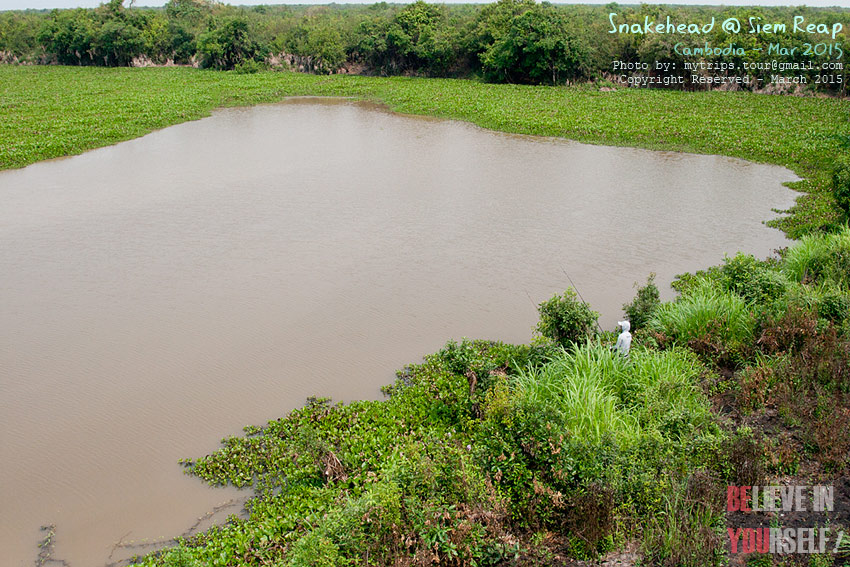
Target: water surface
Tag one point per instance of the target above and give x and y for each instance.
(161, 293)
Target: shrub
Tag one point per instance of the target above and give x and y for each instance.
(647, 300)
(249, 67)
(566, 319)
(834, 306)
(752, 279)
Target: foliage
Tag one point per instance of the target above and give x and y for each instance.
(754, 280)
(821, 258)
(811, 382)
(505, 41)
(646, 301)
(110, 35)
(690, 530)
(566, 319)
(575, 394)
(588, 428)
(713, 322)
(228, 44)
(483, 443)
(537, 47)
(319, 44)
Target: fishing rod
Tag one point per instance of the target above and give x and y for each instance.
(580, 297)
(528, 295)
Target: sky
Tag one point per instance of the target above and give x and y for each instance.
(41, 4)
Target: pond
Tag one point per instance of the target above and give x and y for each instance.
(160, 293)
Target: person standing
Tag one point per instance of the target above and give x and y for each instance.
(624, 341)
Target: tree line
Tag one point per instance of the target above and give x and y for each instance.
(514, 41)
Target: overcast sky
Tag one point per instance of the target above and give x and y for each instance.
(40, 4)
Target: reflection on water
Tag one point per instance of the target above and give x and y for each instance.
(160, 293)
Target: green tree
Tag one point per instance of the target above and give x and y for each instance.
(228, 44)
(418, 38)
(118, 42)
(537, 48)
(320, 44)
(182, 42)
(69, 35)
(192, 11)
(494, 22)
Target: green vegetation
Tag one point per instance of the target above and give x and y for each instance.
(512, 41)
(53, 111)
(711, 321)
(566, 319)
(488, 452)
(643, 306)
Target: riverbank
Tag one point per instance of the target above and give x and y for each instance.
(52, 111)
(561, 452)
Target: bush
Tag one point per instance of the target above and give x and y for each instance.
(249, 67)
(752, 279)
(640, 310)
(834, 306)
(229, 44)
(566, 319)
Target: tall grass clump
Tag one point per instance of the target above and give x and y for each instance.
(710, 321)
(689, 531)
(821, 258)
(595, 394)
(827, 300)
(577, 393)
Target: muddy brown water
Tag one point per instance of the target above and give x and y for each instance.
(159, 294)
